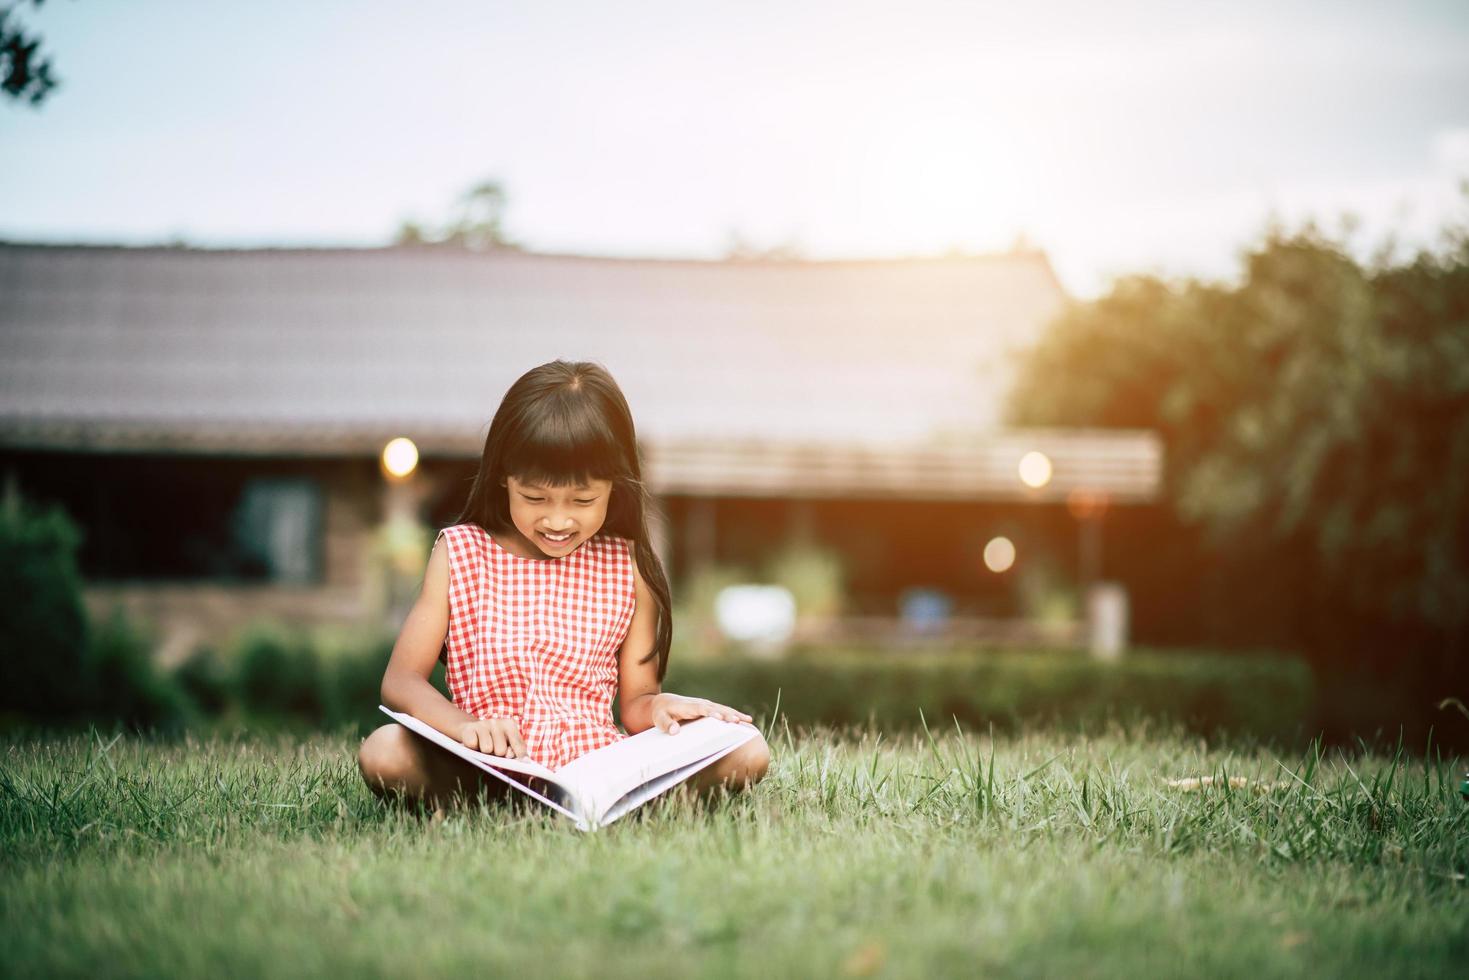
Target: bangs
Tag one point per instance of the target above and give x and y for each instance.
(566, 444)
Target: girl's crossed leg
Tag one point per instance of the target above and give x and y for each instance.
(742, 768)
(400, 764)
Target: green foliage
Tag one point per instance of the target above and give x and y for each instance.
(25, 74)
(274, 677)
(1046, 594)
(289, 678)
(1316, 413)
(397, 553)
(205, 678)
(121, 683)
(814, 577)
(279, 672)
(1268, 698)
(319, 678)
(44, 640)
(477, 224)
(352, 666)
(58, 666)
(695, 631)
(332, 680)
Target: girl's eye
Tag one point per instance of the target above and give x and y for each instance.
(533, 500)
(592, 501)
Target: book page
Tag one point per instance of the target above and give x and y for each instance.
(601, 778)
(495, 765)
(656, 787)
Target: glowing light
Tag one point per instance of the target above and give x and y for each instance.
(400, 457)
(756, 614)
(1087, 504)
(1035, 470)
(999, 555)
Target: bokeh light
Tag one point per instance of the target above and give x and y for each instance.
(400, 457)
(999, 554)
(1087, 504)
(1035, 470)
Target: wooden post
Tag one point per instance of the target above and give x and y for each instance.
(701, 534)
(1091, 550)
(800, 522)
(660, 539)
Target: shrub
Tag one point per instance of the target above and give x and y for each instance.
(121, 683)
(285, 678)
(695, 632)
(352, 677)
(278, 672)
(1266, 697)
(207, 680)
(44, 641)
(814, 576)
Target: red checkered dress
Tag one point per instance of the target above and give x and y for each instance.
(536, 639)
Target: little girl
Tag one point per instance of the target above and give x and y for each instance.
(544, 600)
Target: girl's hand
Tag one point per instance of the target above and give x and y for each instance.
(494, 736)
(670, 709)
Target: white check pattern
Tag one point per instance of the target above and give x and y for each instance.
(536, 639)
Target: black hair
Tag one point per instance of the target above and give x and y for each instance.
(563, 424)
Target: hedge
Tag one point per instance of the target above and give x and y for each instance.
(1269, 698)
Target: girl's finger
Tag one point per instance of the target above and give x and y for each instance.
(517, 745)
(500, 743)
(471, 738)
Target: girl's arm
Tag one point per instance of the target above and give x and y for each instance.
(643, 702)
(405, 683)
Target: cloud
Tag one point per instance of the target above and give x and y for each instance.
(1202, 235)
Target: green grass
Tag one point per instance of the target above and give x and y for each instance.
(1033, 855)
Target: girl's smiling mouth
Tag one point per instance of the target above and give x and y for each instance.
(556, 540)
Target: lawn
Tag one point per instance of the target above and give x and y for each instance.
(1039, 854)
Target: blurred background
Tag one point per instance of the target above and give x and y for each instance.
(1051, 363)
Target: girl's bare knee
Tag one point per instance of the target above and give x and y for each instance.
(743, 767)
(753, 760)
(386, 757)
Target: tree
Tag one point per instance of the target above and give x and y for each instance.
(25, 75)
(477, 223)
(739, 248)
(1318, 412)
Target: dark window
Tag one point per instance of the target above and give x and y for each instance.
(184, 518)
(277, 524)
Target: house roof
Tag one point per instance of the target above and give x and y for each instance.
(336, 350)
(1088, 468)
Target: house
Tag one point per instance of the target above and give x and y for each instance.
(214, 418)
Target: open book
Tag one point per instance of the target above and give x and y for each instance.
(596, 788)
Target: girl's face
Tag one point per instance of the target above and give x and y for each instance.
(556, 520)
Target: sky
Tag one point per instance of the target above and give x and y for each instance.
(1120, 137)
